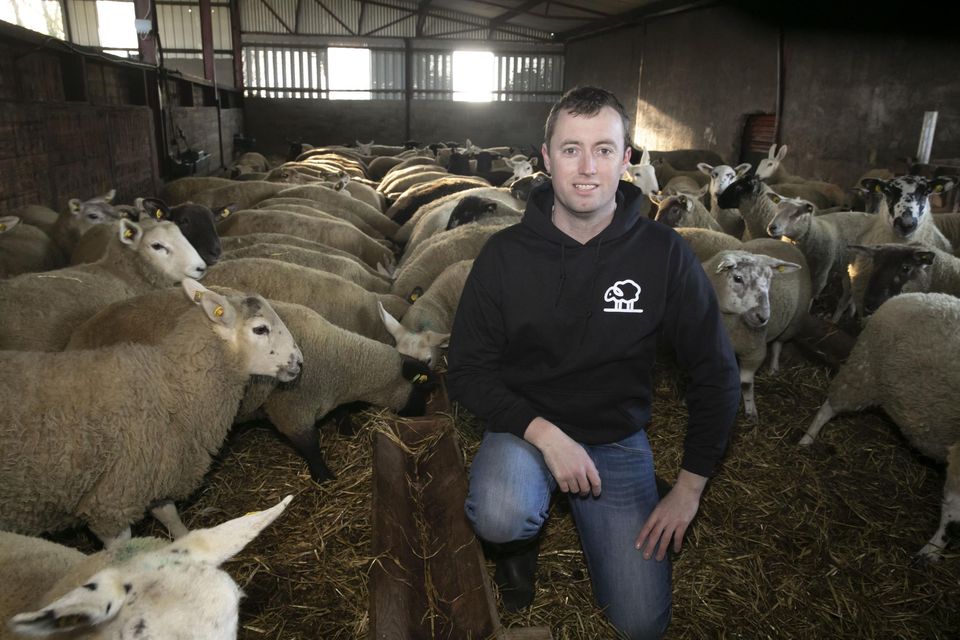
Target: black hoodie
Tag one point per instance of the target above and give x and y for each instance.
(566, 331)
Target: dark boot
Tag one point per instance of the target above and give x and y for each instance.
(516, 573)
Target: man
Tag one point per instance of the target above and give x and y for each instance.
(552, 347)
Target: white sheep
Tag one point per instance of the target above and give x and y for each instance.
(336, 202)
(248, 162)
(822, 239)
(342, 266)
(643, 174)
(233, 243)
(312, 211)
(41, 309)
(340, 301)
(144, 588)
(426, 326)
(707, 242)
(904, 217)
(442, 250)
(949, 226)
(335, 233)
(722, 176)
(908, 337)
(772, 171)
(419, 195)
(339, 367)
(25, 249)
(69, 456)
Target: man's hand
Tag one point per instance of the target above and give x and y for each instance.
(670, 519)
(568, 461)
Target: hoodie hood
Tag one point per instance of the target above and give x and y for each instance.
(630, 201)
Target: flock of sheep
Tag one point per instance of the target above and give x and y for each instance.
(333, 278)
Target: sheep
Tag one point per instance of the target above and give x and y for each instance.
(248, 163)
(243, 195)
(340, 301)
(146, 587)
(643, 174)
(339, 234)
(439, 252)
(196, 222)
(867, 199)
(908, 337)
(771, 171)
(474, 208)
(721, 176)
(687, 159)
(183, 189)
(904, 217)
(412, 162)
(374, 224)
(69, 456)
(521, 189)
(67, 228)
(313, 212)
(365, 370)
(903, 268)
(707, 242)
(336, 201)
(683, 210)
(522, 167)
(395, 187)
(949, 226)
(434, 216)
(40, 309)
(752, 314)
(746, 194)
(421, 194)
(822, 239)
(344, 267)
(665, 172)
(25, 249)
(233, 243)
(399, 174)
(427, 323)
(38, 216)
(379, 166)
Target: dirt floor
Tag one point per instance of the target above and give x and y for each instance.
(789, 543)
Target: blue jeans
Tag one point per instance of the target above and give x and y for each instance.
(509, 497)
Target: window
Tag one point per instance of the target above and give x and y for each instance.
(44, 16)
(271, 72)
(474, 76)
(115, 27)
(349, 73)
(529, 78)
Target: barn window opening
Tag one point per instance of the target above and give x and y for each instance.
(474, 76)
(115, 27)
(44, 16)
(350, 73)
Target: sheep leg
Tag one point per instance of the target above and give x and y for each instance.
(949, 513)
(846, 298)
(823, 416)
(746, 389)
(306, 442)
(775, 347)
(166, 513)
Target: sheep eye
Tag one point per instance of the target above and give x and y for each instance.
(905, 268)
(156, 246)
(738, 279)
(261, 330)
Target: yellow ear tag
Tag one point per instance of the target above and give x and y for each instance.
(419, 378)
(197, 295)
(877, 189)
(128, 233)
(218, 311)
(938, 188)
(3, 227)
(776, 199)
(780, 268)
(224, 213)
(158, 213)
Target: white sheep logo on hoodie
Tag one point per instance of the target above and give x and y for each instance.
(619, 294)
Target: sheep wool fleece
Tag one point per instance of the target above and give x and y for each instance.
(550, 327)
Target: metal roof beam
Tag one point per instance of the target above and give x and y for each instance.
(652, 10)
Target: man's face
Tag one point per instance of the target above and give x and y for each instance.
(586, 158)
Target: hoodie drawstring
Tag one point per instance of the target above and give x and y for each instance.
(563, 274)
(593, 283)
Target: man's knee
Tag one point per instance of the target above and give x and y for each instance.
(502, 523)
(641, 623)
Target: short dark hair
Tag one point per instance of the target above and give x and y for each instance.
(587, 101)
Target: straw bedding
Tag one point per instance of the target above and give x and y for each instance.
(789, 542)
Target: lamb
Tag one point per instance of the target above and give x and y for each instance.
(666, 172)
(183, 189)
(771, 170)
(426, 325)
(521, 188)
(63, 463)
(323, 261)
(25, 249)
(904, 217)
(312, 211)
(522, 167)
(908, 337)
(721, 177)
(365, 370)
(822, 239)
(340, 301)
(687, 159)
(146, 587)
(439, 252)
(421, 194)
(683, 211)
(435, 216)
(752, 314)
(393, 179)
(66, 229)
(339, 234)
(395, 187)
(643, 174)
(903, 268)
(248, 162)
(41, 309)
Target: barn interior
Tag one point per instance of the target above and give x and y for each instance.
(133, 95)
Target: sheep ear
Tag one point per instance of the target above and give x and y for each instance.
(393, 327)
(645, 157)
(942, 183)
(925, 257)
(217, 308)
(7, 223)
(74, 205)
(773, 197)
(872, 184)
(157, 208)
(218, 544)
(704, 167)
(771, 154)
(97, 601)
(130, 232)
(782, 152)
(741, 169)
(109, 196)
(727, 262)
(782, 266)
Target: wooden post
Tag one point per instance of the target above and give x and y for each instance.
(206, 37)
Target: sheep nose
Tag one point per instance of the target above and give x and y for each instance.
(760, 318)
